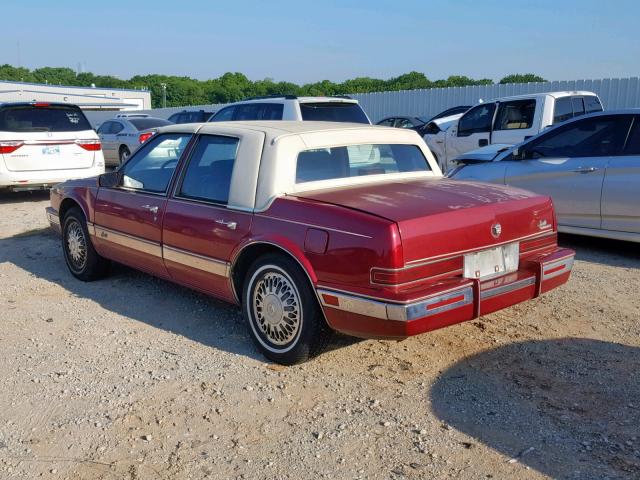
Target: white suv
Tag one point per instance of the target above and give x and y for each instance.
(290, 107)
(46, 143)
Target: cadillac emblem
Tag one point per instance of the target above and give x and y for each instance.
(496, 230)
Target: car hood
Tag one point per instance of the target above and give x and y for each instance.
(484, 154)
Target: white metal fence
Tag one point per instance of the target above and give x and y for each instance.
(615, 93)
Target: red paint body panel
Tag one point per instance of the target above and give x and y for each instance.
(193, 227)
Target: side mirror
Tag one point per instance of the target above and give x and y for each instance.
(519, 153)
(109, 179)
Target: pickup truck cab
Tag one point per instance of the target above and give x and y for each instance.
(511, 120)
(313, 227)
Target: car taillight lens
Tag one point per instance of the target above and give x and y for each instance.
(145, 136)
(90, 145)
(431, 271)
(10, 146)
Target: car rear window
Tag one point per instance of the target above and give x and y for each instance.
(333, 112)
(145, 123)
(358, 161)
(52, 118)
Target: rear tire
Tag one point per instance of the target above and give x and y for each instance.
(124, 154)
(83, 261)
(282, 312)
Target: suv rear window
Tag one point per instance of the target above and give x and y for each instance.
(358, 161)
(333, 112)
(144, 123)
(52, 118)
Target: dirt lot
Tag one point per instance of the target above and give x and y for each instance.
(133, 377)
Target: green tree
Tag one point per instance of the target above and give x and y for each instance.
(234, 86)
(522, 78)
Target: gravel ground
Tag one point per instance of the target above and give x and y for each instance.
(133, 377)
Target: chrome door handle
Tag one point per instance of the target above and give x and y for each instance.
(229, 225)
(152, 208)
(585, 169)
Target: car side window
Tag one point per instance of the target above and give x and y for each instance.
(271, 111)
(590, 137)
(104, 128)
(224, 115)
(150, 169)
(404, 123)
(248, 111)
(592, 104)
(632, 146)
(208, 175)
(515, 115)
(116, 127)
(578, 106)
(476, 120)
(563, 110)
(387, 122)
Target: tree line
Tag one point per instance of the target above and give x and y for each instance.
(231, 87)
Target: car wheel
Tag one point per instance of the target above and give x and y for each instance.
(82, 260)
(284, 318)
(124, 154)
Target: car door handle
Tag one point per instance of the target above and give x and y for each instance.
(152, 208)
(229, 225)
(585, 169)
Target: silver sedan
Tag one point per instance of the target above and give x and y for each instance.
(590, 167)
(122, 135)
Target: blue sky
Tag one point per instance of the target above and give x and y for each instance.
(304, 41)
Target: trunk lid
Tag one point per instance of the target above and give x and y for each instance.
(438, 217)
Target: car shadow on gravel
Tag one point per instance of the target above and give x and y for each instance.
(569, 408)
(141, 297)
(605, 251)
(7, 197)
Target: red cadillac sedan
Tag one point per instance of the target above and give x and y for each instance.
(313, 227)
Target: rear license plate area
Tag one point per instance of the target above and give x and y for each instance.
(492, 262)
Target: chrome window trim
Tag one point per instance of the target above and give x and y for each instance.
(196, 261)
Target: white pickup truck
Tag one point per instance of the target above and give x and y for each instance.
(509, 120)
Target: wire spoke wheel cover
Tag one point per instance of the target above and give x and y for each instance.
(76, 245)
(276, 306)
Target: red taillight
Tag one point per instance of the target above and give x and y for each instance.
(90, 145)
(10, 146)
(429, 271)
(41, 104)
(145, 136)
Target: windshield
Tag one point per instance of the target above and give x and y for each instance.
(333, 112)
(51, 118)
(358, 160)
(145, 123)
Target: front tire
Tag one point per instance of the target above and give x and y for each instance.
(283, 315)
(83, 261)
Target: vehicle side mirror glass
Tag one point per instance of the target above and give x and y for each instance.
(109, 179)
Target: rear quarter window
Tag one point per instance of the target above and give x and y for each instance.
(53, 118)
(358, 161)
(333, 112)
(145, 123)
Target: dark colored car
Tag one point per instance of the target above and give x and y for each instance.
(191, 116)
